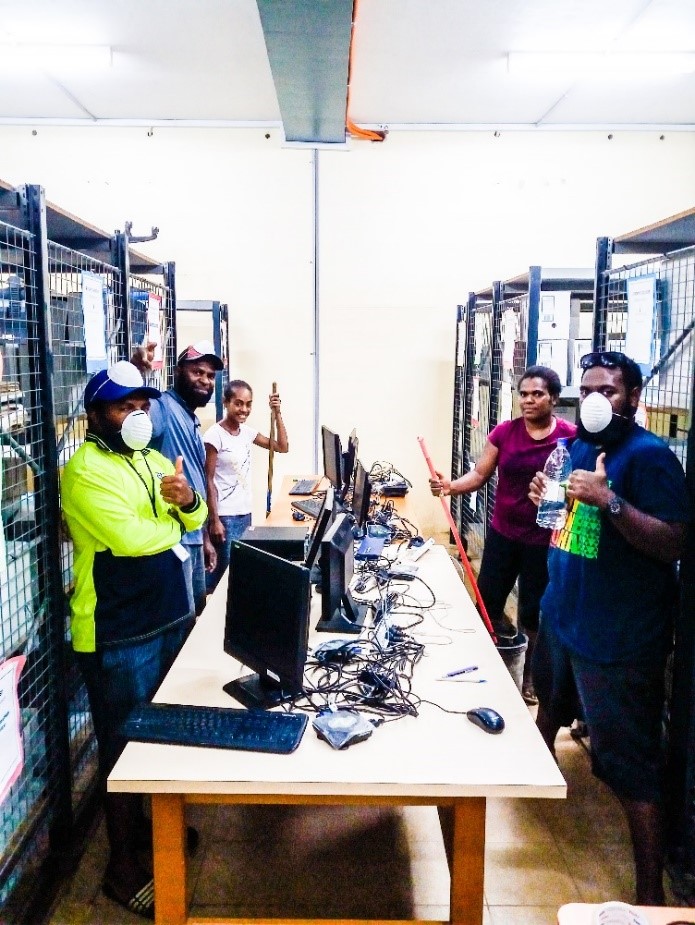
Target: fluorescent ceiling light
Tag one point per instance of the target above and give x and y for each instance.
(54, 57)
(599, 64)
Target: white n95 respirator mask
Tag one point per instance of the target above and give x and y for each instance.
(599, 424)
(595, 412)
(136, 430)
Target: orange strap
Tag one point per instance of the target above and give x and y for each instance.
(355, 130)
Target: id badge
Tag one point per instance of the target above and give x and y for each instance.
(181, 552)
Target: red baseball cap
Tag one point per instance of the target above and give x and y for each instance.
(201, 350)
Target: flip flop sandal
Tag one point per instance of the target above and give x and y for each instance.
(140, 903)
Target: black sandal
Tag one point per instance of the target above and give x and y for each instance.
(140, 903)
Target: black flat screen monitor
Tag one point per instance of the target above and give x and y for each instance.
(349, 460)
(340, 613)
(332, 459)
(267, 626)
(321, 524)
(361, 496)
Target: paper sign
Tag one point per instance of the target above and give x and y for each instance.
(641, 303)
(94, 315)
(11, 749)
(510, 335)
(154, 328)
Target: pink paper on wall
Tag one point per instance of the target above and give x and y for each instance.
(11, 747)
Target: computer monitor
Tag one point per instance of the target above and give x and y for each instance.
(323, 521)
(349, 460)
(332, 459)
(361, 496)
(267, 626)
(340, 613)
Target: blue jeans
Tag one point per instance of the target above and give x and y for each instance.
(194, 571)
(234, 525)
(119, 677)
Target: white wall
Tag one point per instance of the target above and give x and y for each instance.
(406, 229)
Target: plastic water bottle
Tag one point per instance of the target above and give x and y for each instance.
(552, 512)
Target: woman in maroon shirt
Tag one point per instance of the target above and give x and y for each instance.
(515, 547)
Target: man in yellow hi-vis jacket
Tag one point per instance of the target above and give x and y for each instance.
(126, 509)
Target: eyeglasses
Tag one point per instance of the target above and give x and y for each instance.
(607, 358)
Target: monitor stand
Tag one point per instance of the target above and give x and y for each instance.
(348, 618)
(258, 693)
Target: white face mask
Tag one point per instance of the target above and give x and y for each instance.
(136, 430)
(595, 412)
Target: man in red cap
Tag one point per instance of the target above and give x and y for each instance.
(176, 432)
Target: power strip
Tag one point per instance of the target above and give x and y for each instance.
(418, 551)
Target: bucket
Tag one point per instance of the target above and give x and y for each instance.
(513, 652)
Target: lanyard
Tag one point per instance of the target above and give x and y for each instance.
(150, 494)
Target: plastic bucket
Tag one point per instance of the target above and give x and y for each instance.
(513, 652)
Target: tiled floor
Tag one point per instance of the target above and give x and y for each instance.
(292, 861)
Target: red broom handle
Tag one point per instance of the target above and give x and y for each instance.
(459, 545)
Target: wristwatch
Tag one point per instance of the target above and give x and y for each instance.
(615, 506)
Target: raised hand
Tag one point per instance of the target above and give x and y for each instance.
(143, 356)
(590, 487)
(175, 488)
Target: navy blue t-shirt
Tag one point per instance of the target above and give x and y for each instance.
(607, 600)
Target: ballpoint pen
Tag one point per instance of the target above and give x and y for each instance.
(458, 671)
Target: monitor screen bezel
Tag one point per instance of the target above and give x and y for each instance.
(332, 458)
(321, 525)
(361, 504)
(280, 575)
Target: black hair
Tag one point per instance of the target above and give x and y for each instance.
(548, 375)
(233, 385)
(609, 359)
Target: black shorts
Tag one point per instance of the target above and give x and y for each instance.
(622, 705)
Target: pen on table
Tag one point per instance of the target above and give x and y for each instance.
(458, 671)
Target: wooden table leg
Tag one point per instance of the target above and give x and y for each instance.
(168, 829)
(465, 846)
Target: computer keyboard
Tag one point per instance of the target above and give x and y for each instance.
(216, 727)
(310, 506)
(304, 487)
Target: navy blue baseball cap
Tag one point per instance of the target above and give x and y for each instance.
(115, 383)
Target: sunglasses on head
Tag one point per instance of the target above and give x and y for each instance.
(608, 358)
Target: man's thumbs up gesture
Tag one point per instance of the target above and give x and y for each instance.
(590, 487)
(175, 488)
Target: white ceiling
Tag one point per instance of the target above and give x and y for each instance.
(415, 62)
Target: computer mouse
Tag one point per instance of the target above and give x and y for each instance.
(297, 515)
(488, 719)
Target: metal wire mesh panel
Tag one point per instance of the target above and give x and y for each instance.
(69, 274)
(667, 411)
(457, 435)
(512, 341)
(151, 306)
(27, 810)
(479, 400)
(667, 394)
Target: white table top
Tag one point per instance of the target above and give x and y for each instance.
(433, 755)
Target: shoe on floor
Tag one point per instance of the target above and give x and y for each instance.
(140, 903)
(529, 694)
(144, 838)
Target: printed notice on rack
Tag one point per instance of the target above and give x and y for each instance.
(11, 750)
(94, 321)
(154, 328)
(641, 306)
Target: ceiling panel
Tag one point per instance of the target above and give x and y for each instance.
(415, 62)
